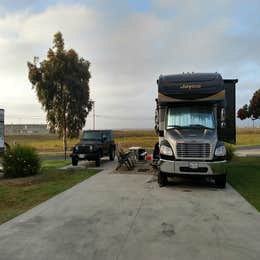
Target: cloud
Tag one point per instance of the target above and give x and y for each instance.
(128, 50)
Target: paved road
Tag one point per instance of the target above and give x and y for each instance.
(127, 216)
(244, 151)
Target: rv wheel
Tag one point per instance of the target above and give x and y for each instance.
(220, 181)
(162, 179)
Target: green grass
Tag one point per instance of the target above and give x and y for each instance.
(244, 176)
(55, 163)
(19, 195)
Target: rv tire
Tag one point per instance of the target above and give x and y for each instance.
(162, 179)
(220, 181)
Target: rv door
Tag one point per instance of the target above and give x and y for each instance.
(228, 114)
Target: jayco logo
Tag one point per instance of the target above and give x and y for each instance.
(189, 87)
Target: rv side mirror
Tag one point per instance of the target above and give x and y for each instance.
(222, 118)
(161, 133)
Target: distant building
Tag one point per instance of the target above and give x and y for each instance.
(21, 129)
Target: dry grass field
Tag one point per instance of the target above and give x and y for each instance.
(127, 138)
(52, 144)
(248, 136)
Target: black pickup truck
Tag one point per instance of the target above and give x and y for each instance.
(94, 145)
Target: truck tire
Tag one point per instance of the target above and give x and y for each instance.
(74, 161)
(220, 181)
(162, 179)
(98, 160)
(112, 154)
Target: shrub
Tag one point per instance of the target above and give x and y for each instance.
(21, 161)
(230, 151)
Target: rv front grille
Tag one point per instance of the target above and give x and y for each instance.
(193, 150)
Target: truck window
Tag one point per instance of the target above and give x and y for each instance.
(193, 116)
(1, 130)
(91, 135)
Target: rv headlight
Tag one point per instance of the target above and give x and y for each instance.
(220, 150)
(76, 148)
(166, 150)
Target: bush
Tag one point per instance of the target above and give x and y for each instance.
(21, 161)
(230, 151)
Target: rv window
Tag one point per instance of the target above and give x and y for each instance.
(194, 116)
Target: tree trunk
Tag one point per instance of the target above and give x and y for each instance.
(65, 134)
(65, 137)
(65, 145)
(64, 124)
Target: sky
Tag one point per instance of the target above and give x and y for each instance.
(129, 44)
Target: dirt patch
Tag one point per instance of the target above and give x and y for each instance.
(24, 183)
(143, 170)
(140, 168)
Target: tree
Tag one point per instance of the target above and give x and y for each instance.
(254, 107)
(252, 110)
(243, 112)
(61, 83)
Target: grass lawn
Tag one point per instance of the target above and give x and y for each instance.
(244, 176)
(19, 195)
(55, 163)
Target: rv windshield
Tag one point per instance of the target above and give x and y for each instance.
(91, 135)
(194, 116)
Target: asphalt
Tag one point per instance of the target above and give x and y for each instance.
(127, 216)
(244, 151)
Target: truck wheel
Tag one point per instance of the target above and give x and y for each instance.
(112, 154)
(74, 161)
(98, 159)
(162, 179)
(220, 181)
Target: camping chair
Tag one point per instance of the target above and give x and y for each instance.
(124, 158)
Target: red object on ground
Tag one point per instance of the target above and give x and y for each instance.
(148, 157)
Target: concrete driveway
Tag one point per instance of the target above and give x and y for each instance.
(127, 216)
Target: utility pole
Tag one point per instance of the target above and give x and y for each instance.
(94, 116)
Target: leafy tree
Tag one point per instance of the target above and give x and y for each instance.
(252, 110)
(243, 112)
(61, 83)
(254, 107)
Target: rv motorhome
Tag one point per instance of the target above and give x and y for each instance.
(195, 115)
